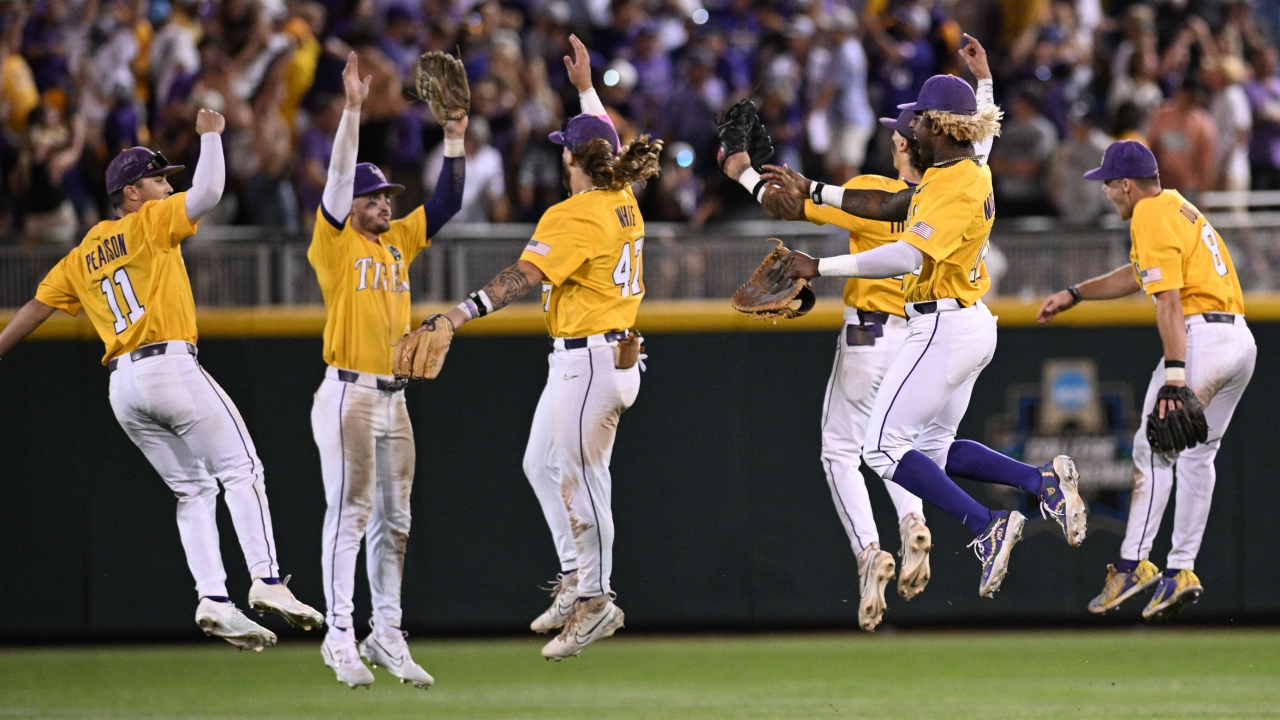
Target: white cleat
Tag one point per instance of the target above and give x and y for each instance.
(385, 646)
(340, 654)
(564, 595)
(225, 620)
(875, 570)
(916, 543)
(592, 620)
(277, 599)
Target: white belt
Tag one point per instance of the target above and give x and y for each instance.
(1214, 317)
(929, 307)
(386, 383)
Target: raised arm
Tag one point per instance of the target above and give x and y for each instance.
(1115, 284)
(870, 204)
(579, 68)
(446, 201)
(975, 57)
(210, 176)
(335, 203)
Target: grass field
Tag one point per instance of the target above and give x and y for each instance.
(1155, 673)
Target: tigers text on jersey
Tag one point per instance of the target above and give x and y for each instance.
(129, 277)
(1174, 247)
(950, 222)
(366, 289)
(589, 248)
(869, 295)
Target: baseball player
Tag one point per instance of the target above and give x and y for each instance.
(128, 276)
(1180, 261)
(360, 422)
(873, 330)
(587, 255)
(951, 335)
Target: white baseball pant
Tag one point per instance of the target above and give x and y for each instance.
(542, 467)
(367, 459)
(855, 379)
(194, 437)
(1220, 360)
(584, 397)
(927, 388)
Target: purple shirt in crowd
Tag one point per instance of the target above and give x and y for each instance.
(1264, 143)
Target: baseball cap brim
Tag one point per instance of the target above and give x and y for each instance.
(556, 137)
(166, 170)
(1097, 174)
(390, 188)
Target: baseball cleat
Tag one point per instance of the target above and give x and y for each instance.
(1121, 586)
(340, 654)
(994, 547)
(916, 543)
(1172, 593)
(592, 620)
(225, 620)
(1060, 498)
(277, 599)
(875, 570)
(564, 595)
(385, 646)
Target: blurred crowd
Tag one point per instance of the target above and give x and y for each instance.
(81, 80)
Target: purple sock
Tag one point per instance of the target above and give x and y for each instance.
(1172, 572)
(922, 477)
(975, 461)
(1126, 566)
(271, 581)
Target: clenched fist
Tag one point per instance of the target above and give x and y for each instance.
(208, 121)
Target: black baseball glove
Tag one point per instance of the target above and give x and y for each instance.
(740, 130)
(1181, 428)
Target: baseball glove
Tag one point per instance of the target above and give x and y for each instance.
(1181, 428)
(770, 292)
(740, 130)
(420, 354)
(442, 85)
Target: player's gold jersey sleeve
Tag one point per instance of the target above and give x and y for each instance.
(949, 221)
(165, 221)
(590, 248)
(57, 289)
(881, 295)
(1175, 248)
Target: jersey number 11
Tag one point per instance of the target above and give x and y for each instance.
(136, 310)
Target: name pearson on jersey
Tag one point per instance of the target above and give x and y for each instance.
(111, 248)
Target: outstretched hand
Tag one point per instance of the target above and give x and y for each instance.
(975, 58)
(579, 66)
(1053, 305)
(784, 179)
(356, 90)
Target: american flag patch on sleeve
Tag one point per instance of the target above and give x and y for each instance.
(924, 230)
(536, 247)
(1150, 275)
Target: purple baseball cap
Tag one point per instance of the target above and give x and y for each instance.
(134, 164)
(946, 93)
(901, 124)
(1125, 159)
(583, 128)
(369, 180)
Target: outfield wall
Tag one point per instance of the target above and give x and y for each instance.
(724, 519)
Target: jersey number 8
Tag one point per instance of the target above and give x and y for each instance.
(136, 310)
(1211, 241)
(627, 272)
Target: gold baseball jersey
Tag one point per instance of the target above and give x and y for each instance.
(870, 295)
(1175, 248)
(950, 222)
(589, 247)
(366, 289)
(129, 277)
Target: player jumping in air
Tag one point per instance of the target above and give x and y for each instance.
(360, 422)
(586, 253)
(1180, 261)
(951, 333)
(874, 328)
(128, 276)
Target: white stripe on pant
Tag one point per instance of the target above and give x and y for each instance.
(194, 437)
(851, 391)
(1220, 361)
(574, 429)
(367, 459)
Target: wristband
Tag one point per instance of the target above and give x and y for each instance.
(476, 305)
(454, 147)
(832, 195)
(1075, 295)
(815, 191)
(751, 180)
(468, 308)
(1175, 370)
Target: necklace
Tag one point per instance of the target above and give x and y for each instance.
(978, 158)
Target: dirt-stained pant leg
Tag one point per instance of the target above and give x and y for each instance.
(387, 534)
(588, 395)
(542, 468)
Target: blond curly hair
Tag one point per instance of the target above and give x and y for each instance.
(968, 128)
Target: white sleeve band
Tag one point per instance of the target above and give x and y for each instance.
(208, 179)
(751, 180)
(1175, 374)
(484, 298)
(454, 147)
(591, 103)
(986, 97)
(886, 261)
(342, 167)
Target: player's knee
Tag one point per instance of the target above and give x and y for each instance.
(878, 460)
